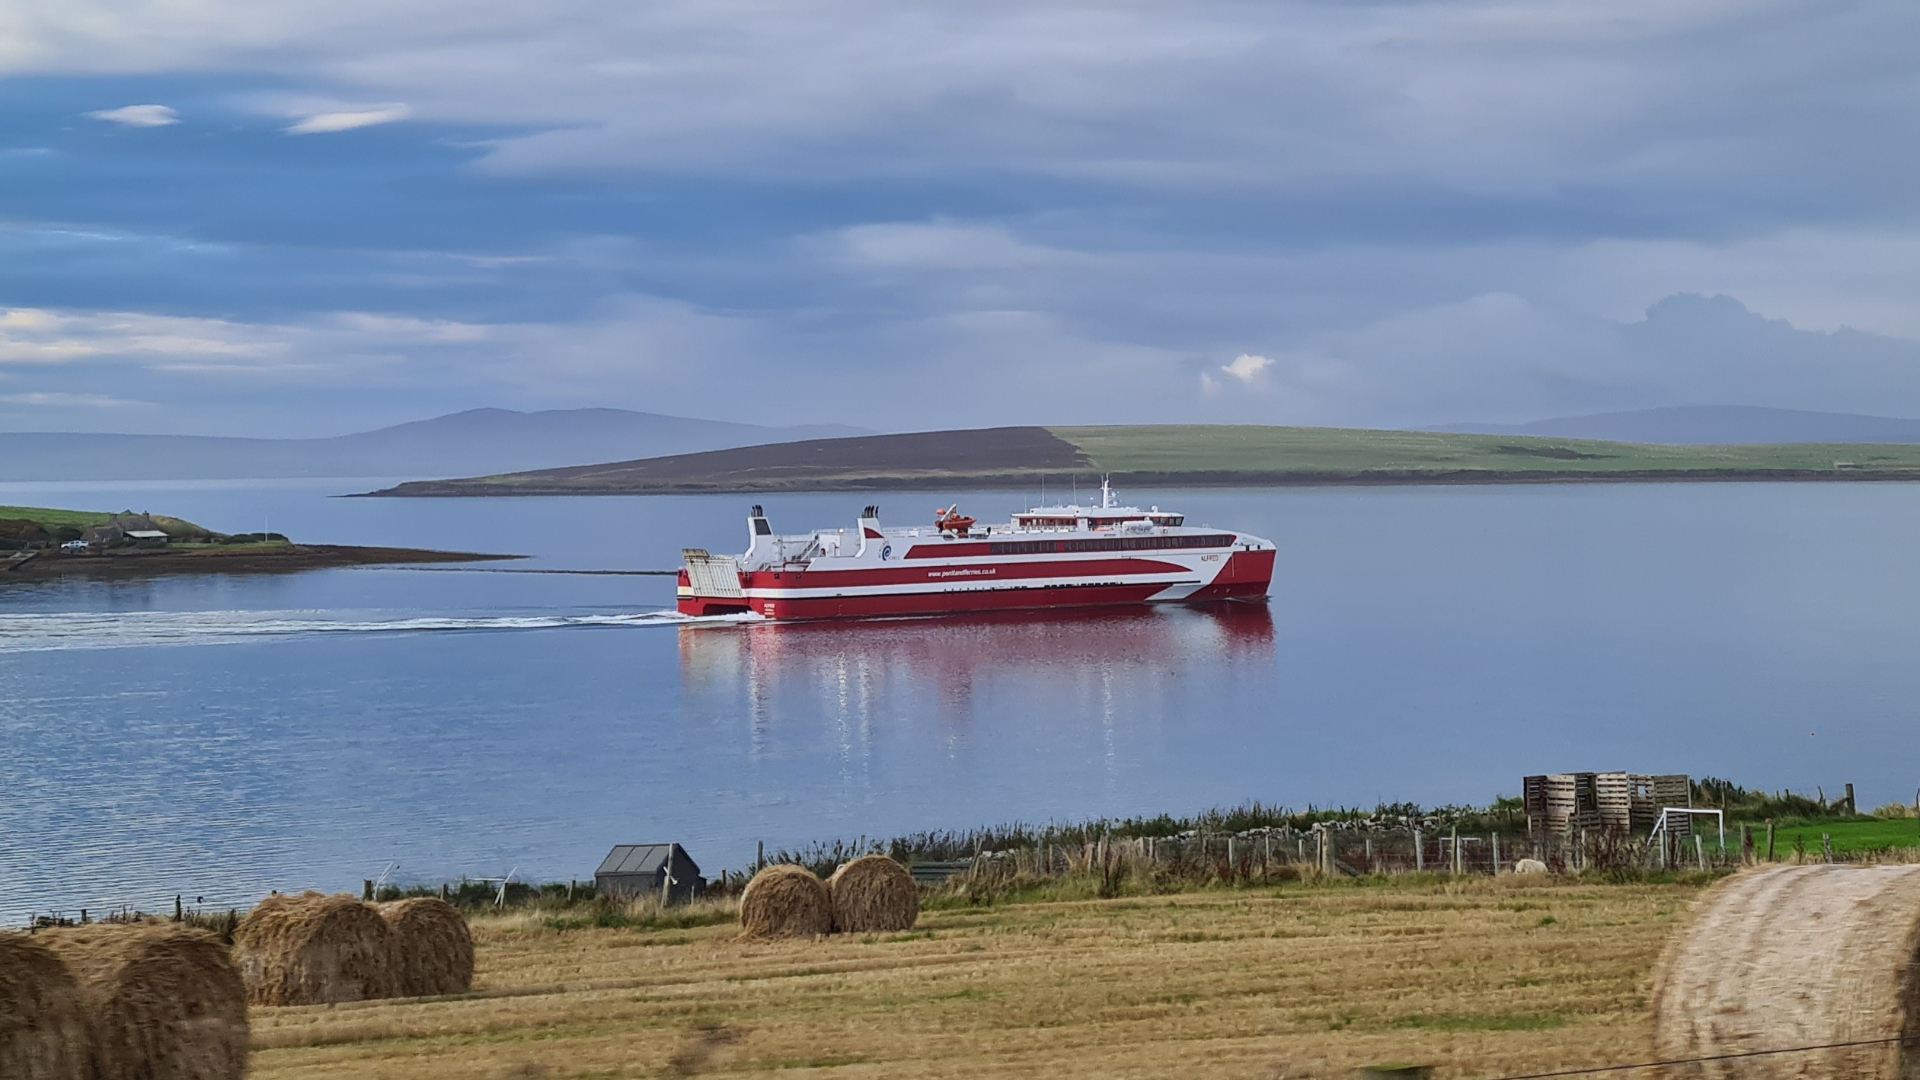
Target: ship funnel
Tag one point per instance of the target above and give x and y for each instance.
(759, 533)
(869, 526)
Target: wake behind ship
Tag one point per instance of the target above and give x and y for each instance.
(1048, 557)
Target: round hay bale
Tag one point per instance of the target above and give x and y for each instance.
(165, 1002)
(43, 1018)
(1529, 866)
(785, 901)
(873, 894)
(314, 950)
(432, 947)
(1792, 956)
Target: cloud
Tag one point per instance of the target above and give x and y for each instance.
(327, 122)
(62, 400)
(1247, 367)
(1247, 370)
(144, 116)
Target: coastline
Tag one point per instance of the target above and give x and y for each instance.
(291, 559)
(457, 489)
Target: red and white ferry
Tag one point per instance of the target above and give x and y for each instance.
(1048, 557)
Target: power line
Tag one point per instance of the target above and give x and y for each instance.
(1596, 1069)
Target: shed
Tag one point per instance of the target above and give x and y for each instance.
(148, 537)
(631, 871)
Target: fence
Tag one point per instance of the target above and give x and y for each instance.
(1333, 852)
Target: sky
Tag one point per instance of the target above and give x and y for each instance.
(310, 217)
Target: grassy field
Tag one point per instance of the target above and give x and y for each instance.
(53, 519)
(1193, 454)
(1877, 834)
(1257, 449)
(1477, 978)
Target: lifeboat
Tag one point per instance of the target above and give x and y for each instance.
(951, 520)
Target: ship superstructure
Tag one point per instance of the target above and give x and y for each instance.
(1062, 556)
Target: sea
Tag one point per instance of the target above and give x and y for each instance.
(216, 737)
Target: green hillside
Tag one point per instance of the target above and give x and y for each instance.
(54, 520)
(1357, 451)
(1188, 454)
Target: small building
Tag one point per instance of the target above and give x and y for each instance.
(632, 871)
(147, 538)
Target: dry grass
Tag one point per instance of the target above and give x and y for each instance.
(44, 1031)
(785, 901)
(165, 1001)
(1797, 956)
(1478, 978)
(873, 894)
(432, 947)
(314, 949)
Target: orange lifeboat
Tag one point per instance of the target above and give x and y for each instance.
(951, 520)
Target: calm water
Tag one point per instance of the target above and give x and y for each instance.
(224, 736)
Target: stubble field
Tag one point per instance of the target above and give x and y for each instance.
(1480, 978)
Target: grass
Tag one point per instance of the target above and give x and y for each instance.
(1259, 449)
(1290, 981)
(48, 518)
(53, 519)
(1192, 453)
(1849, 837)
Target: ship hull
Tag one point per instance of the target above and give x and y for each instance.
(985, 586)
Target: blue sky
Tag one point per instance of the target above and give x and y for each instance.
(314, 217)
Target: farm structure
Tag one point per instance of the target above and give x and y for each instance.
(1557, 802)
(632, 871)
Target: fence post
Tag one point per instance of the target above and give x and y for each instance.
(1419, 851)
(759, 855)
(1769, 839)
(1746, 844)
(1493, 842)
(1699, 852)
(1826, 846)
(1453, 855)
(1851, 808)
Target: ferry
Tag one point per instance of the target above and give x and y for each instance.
(1066, 556)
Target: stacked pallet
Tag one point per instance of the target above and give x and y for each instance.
(1560, 801)
(1556, 802)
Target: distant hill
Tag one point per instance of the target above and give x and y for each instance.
(464, 443)
(1185, 455)
(1711, 425)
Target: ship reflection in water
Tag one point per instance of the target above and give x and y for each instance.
(958, 697)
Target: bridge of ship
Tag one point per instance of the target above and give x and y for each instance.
(797, 551)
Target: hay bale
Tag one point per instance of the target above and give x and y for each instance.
(314, 950)
(1796, 956)
(873, 894)
(43, 1019)
(432, 947)
(164, 1002)
(1529, 866)
(785, 901)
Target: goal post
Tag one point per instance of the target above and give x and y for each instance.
(1669, 814)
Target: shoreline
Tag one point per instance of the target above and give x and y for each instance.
(460, 489)
(291, 559)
